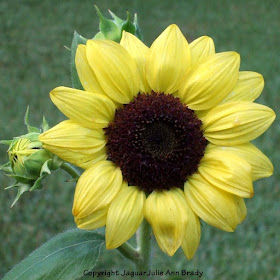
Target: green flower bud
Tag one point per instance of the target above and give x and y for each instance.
(111, 29)
(28, 162)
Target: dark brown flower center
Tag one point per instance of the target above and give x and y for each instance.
(156, 141)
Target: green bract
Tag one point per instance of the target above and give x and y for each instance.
(28, 162)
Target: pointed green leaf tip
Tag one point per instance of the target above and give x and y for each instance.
(67, 256)
(111, 29)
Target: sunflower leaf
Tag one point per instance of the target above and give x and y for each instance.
(77, 40)
(65, 256)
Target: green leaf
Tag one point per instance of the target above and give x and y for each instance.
(26, 122)
(64, 257)
(77, 39)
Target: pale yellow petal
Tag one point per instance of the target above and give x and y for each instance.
(168, 61)
(248, 87)
(124, 216)
(139, 52)
(115, 69)
(201, 48)
(93, 221)
(192, 234)
(236, 123)
(96, 188)
(260, 163)
(209, 82)
(227, 171)
(89, 109)
(166, 212)
(74, 143)
(86, 75)
(215, 206)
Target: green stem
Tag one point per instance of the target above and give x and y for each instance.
(144, 246)
(129, 252)
(142, 255)
(70, 170)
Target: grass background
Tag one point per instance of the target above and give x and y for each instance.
(33, 61)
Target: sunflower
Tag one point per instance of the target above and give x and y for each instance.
(163, 134)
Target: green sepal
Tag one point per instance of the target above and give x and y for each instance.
(22, 179)
(26, 122)
(22, 188)
(77, 40)
(6, 142)
(37, 184)
(118, 21)
(138, 32)
(127, 25)
(108, 27)
(45, 126)
(33, 164)
(66, 256)
(6, 167)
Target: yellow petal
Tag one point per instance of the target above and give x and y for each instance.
(74, 143)
(248, 87)
(114, 68)
(96, 188)
(93, 221)
(260, 163)
(209, 82)
(201, 48)
(216, 207)
(124, 216)
(227, 171)
(86, 75)
(192, 234)
(139, 52)
(168, 61)
(236, 123)
(167, 214)
(89, 109)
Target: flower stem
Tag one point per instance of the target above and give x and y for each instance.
(70, 170)
(144, 246)
(141, 255)
(129, 252)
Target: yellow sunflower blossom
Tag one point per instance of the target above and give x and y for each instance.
(164, 135)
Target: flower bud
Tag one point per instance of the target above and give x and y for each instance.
(111, 29)
(28, 162)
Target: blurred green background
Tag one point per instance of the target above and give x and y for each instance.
(34, 61)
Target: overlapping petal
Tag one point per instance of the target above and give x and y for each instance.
(74, 143)
(236, 123)
(209, 82)
(166, 212)
(260, 163)
(227, 171)
(215, 206)
(139, 52)
(115, 69)
(96, 188)
(86, 74)
(95, 220)
(192, 234)
(124, 216)
(248, 87)
(201, 48)
(168, 61)
(89, 109)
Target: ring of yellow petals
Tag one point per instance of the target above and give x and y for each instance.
(209, 83)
